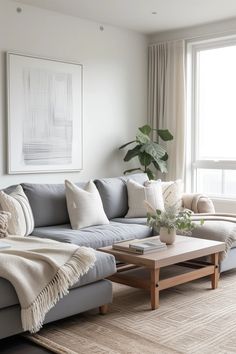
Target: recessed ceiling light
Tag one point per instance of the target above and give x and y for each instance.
(154, 12)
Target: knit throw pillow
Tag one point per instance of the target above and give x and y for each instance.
(4, 217)
(198, 203)
(16, 203)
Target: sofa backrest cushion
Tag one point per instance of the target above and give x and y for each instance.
(10, 189)
(113, 192)
(48, 203)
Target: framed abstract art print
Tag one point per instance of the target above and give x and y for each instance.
(44, 115)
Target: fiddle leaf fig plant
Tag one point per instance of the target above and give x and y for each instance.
(149, 152)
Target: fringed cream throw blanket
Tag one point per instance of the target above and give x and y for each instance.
(41, 272)
(218, 227)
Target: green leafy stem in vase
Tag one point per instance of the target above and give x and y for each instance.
(171, 219)
(149, 152)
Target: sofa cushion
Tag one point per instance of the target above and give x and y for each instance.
(138, 194)
(10, 189)
(113, 192)
(8, 294)
(48, 203)
(4, 218)
(84, 206)
(94, 236)
(198, 203)
(172, 193)
(139, 221)
(17, 204)
(104, 266)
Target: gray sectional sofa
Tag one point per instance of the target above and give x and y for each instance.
(51, 218)
(49, 208)
(48, 203)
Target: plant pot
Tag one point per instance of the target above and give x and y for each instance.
(167, 236)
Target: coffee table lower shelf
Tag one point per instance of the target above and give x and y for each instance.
(157, 279)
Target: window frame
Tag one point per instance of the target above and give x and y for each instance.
(193, 47)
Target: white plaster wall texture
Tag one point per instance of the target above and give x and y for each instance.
(115, 83)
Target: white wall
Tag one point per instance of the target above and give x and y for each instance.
(115, 74)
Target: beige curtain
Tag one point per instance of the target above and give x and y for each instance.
(167, 100)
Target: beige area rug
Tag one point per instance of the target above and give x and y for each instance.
(192, 318)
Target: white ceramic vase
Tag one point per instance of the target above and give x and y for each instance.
(167, 236)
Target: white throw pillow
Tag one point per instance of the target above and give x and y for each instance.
(84, 206)
(17, 204)
(138, 193)
(4, 218)
(172, 193)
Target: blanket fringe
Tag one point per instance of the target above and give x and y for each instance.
(79, 264)
(228, 244)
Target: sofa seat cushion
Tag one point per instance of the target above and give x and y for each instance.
(8, 294)
(104, 266)
(139, 221)
(94, 236)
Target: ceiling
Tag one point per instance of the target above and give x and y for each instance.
(137, 14)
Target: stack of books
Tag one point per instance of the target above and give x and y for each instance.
(141, 246)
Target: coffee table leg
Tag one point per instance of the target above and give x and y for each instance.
(215, 276)
(155, 273)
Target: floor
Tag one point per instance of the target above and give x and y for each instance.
(192, 319)
(19, 345)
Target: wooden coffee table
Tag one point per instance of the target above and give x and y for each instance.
(183, 254)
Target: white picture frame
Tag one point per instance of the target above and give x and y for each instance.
(45, 122)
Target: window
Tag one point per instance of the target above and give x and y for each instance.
(212, 113)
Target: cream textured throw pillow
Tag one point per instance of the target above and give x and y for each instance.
(198, 203)
(84, 206)
(17, 204)
(4, 217)
(137, 194)
(172, 193)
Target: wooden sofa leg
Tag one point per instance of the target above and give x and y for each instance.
(103, 309)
